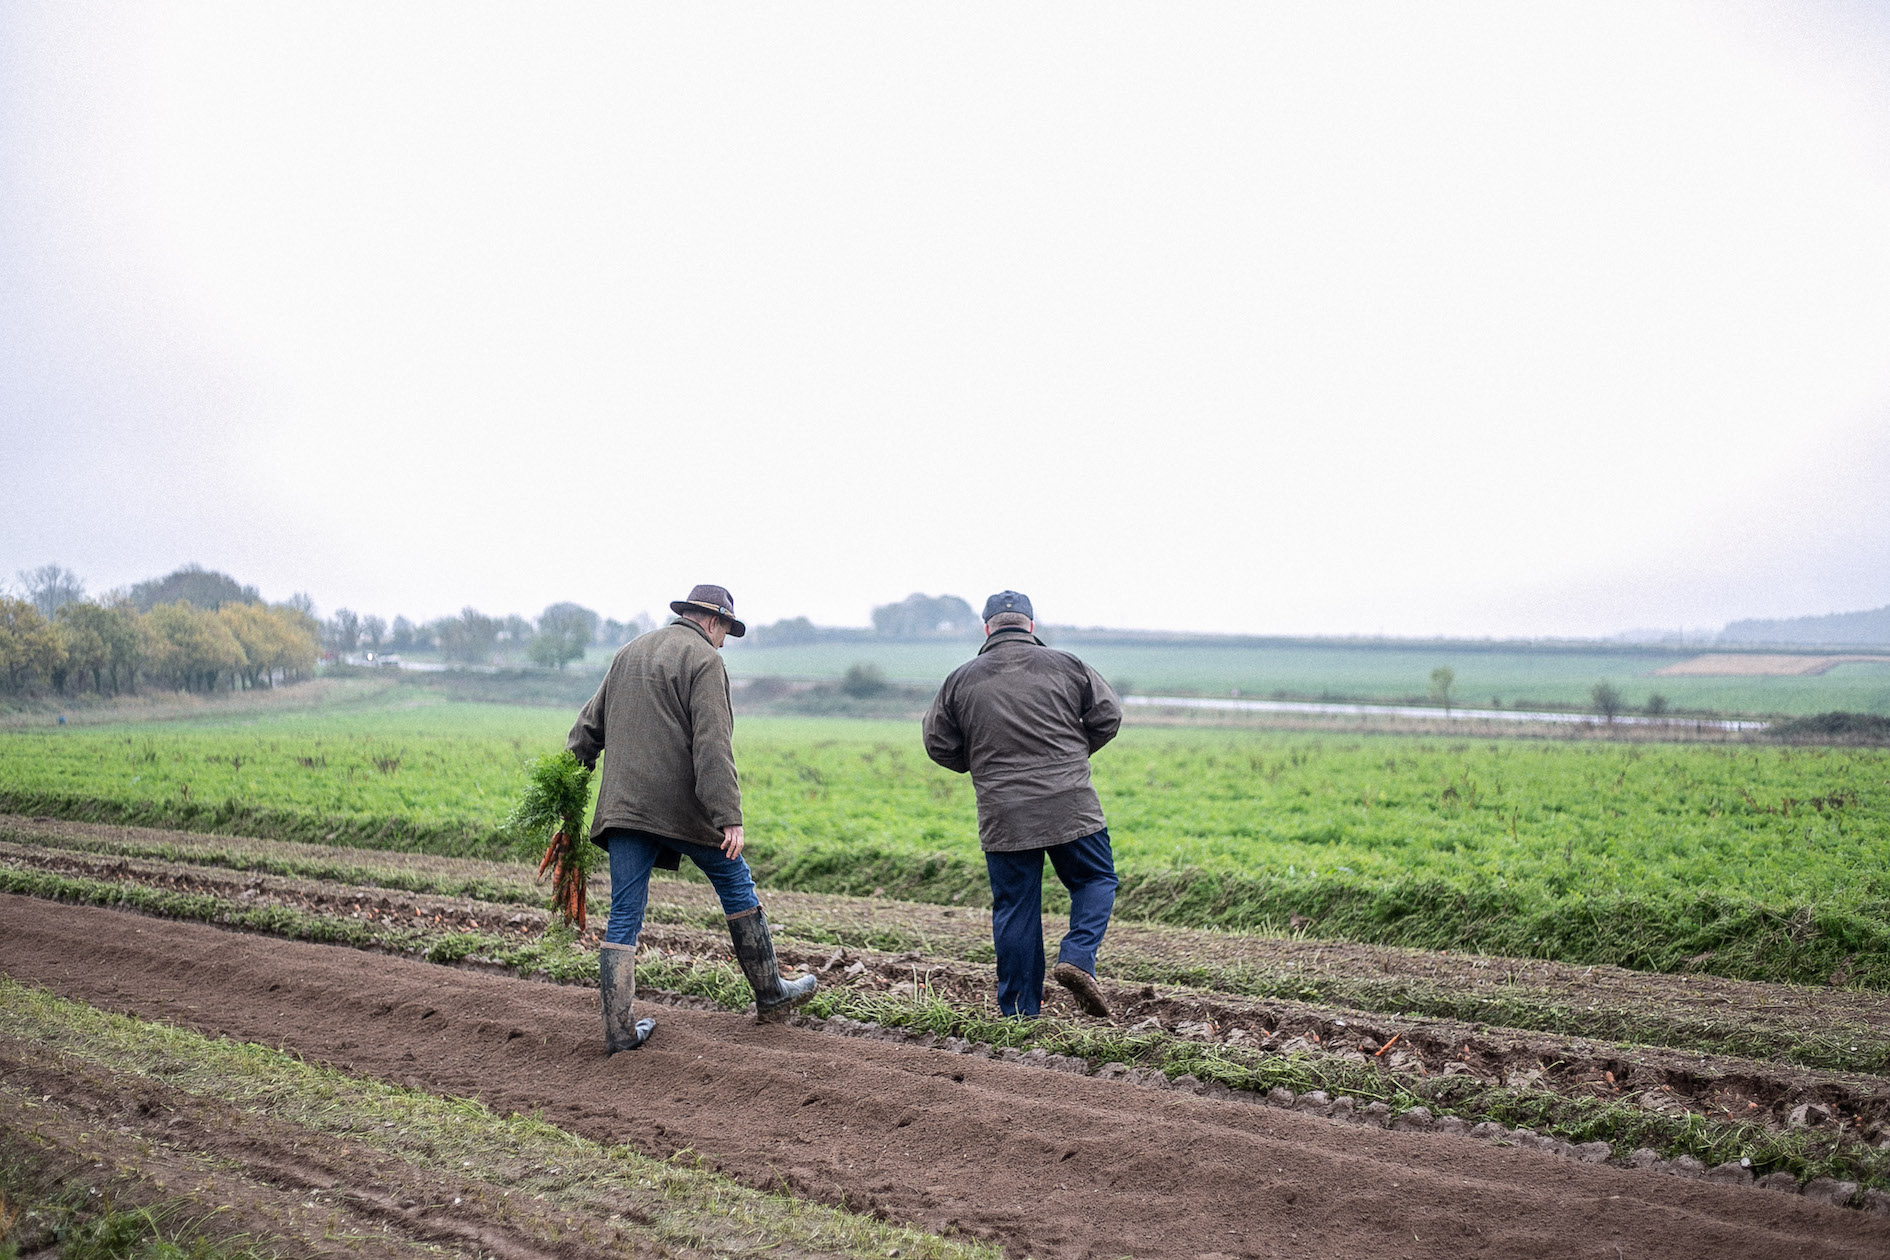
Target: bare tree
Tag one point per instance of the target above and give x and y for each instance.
(1606, 699)
(344, 631)
(374, 631)
(49, 588)
(468, 637)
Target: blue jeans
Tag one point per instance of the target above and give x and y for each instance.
(632, 856)
(1088, 869)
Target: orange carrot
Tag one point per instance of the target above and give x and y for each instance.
(1394, 1038)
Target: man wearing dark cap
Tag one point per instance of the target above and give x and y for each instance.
(1023, 719)
(668, 790)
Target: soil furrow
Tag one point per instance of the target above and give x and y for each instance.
(1723, 1087)
(1831, 1028)
(1047, 1164)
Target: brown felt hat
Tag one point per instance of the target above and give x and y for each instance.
(715, 599)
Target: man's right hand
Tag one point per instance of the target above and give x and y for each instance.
(732, 841)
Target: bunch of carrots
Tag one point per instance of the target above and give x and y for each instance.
(567, 878)
(555, 801)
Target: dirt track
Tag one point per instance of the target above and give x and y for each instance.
(1046, 1164)
(1754, 665)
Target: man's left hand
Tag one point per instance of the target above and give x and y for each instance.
(732, 841)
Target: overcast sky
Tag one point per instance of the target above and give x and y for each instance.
(1478, 319)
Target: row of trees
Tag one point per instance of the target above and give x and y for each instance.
(223, 637)
(193, 630)
(559, 636)
(197, 629)
(109, 647)
(562, 632)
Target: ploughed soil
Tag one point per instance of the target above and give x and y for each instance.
(1667, 1080)
(685, 925)
(1131, 950)
(1047, 1164)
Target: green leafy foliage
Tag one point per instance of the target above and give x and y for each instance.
(551, 810)
(1751, 861)
(557, 797)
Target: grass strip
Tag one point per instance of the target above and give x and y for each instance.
(41, 1214)
(454, 838)
(498, 890)
(55, 1200)
(552, 955)
(677, 1200)
(1805, 1154)
(1735, 938)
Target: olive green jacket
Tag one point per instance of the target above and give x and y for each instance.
(663, 715)
(1023, 719)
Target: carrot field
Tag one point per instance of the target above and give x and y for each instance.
(1754, 861)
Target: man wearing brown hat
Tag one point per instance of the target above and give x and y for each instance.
(668, 790)
(1023, 719)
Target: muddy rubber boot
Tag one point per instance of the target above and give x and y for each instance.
(617, 980)
(754, 949)
(1083, 988)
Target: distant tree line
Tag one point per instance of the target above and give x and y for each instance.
(561, 634)
(199, 630)
(191, 631)
(917, 616)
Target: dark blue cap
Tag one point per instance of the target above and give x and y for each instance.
(1008, 601)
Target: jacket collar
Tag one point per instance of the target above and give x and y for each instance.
(1009, 634)
(684, 621)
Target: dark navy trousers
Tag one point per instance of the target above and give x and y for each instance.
(1088, 869)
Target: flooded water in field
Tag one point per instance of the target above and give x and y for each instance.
(1235, 704)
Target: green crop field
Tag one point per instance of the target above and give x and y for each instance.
(1516, 678)
(1746, 860)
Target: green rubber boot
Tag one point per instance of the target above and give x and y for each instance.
(617, 978)
(754, 949)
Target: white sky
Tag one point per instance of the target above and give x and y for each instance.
(1477, 319)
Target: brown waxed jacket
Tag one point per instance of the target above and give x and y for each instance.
(1023, 718)
(663, 715)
